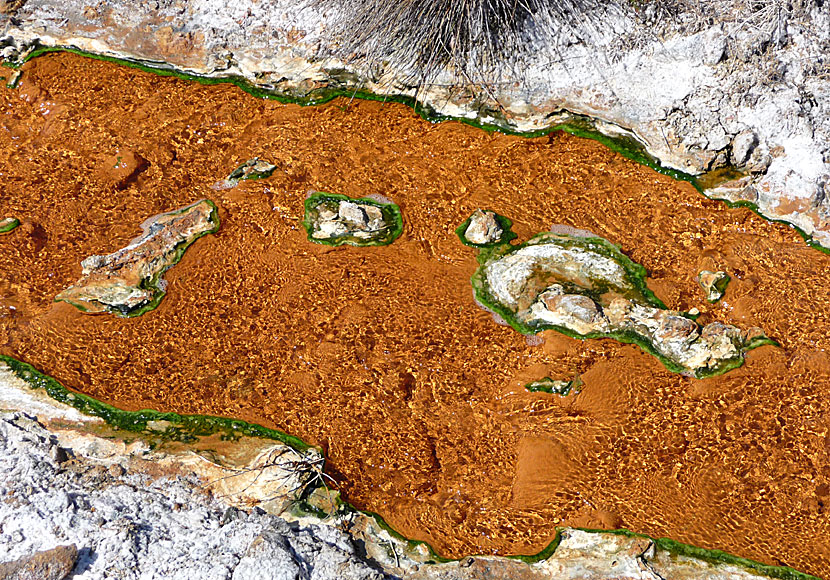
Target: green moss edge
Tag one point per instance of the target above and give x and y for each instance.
(10, 226)
(391, 213)
(189, 427)
(638, 275)
(185, 428)
(152, 284)
(808, 239)
(579, 125)
(505, 223)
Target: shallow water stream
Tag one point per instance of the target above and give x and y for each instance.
(380, 355)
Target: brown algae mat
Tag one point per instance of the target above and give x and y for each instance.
(379, 354)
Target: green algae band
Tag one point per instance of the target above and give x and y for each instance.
(583, 286)
(184, 428)
(8, 224)
(129, 282)
(335, 220)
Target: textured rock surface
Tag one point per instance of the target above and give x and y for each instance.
(336, 220)
(146, 522)
(135, 513)
(585, 286)
(54, 564)
(483, 228)
(746, 85)
(128, 282)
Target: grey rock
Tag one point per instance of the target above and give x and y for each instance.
(141, 526)
(742, 147)
(58, 454)
(267, 558)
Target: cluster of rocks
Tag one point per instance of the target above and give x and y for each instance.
(129, 282)
(336, 219)
(8, 224)
(584, 286)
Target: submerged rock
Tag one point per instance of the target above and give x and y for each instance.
(559, 387)
(122, 168)
(585, 287)
(129, 282)
(8, 224)
(713, 283)
(336, 219)
(255, 168)
(485, 228)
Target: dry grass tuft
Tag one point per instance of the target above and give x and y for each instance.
(475, 39)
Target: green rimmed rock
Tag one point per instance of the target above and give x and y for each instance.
(255, 168)
(485, 229)
(334, 220)
(553, 386)
(129, 282)
(583, 286)
(713, 283)
(8, 224)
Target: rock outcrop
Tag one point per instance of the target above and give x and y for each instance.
(255, 168)
(585, 287)
(129, 282)
(335, 220)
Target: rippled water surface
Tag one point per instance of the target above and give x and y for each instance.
(380, 355)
